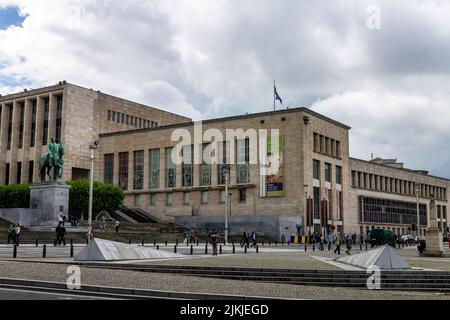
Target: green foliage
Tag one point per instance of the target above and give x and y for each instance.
(15, 196)
(105, 197)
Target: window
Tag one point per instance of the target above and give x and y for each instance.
(338, 149)
(118, 117)
(327, 172)
(137, 199)
(109, 115)
(30, 172)
(33, 123)
(113, 116)
(205, 195)
(45, 125)
(316, 202)
(138, 166)
(169, 199)
(187, 167)
(19, 172)
(223, 167)
(109, 168)
(127, 120)
(315, 141)
(21, 123)
(123, 170)
(10, 126)
(222, 196)
(153, 199)
(186, 198)
(338, 175)
(242, 195)
(170, 169)
(205, 167)
(7, 171)
(59, 102)
(243, 159)
(123, 118)
(316, 169)
(154, 169)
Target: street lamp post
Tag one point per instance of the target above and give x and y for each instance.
(418, 212)
(226, 208)
(92, 149)
(363, 227)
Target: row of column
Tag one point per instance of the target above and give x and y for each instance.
(26, 153)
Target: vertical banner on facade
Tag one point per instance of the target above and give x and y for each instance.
(274, 182)
(262, 163)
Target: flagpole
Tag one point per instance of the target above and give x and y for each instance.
(273, 95)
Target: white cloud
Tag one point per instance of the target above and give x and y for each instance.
(213, 58)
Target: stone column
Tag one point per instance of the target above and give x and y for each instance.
(38, 135)
(26, 140)
(52, 117)
(14, 143)
(146, 169)
(3, 134)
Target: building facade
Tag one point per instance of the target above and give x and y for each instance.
(176, 170)
(70, 114)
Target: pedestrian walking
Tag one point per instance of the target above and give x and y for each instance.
(348, 244)
(18, 230)
(185, 237)
(117, 225)
(244, 240)
(214, 241)
(60, 234)
(12, 233)
(192, 238)
(253, 238)
(337, 242)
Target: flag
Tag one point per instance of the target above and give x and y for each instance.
(277, 97)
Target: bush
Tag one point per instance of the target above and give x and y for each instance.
(105, 197)
(15, 196)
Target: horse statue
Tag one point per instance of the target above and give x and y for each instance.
(54, 159)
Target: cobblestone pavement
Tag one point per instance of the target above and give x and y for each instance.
(131, 279)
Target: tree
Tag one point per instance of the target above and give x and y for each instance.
(15, 196)
(105, 197)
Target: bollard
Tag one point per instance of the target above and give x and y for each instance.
(154, 243)
(87, 240)
(129, 241)
(192, 249)
(71, 250)
(44, 251)
(289, 243)
(366, 246)
(206, 248)
(276, 243)
(314, 247)
(306, 248)
(245, 249)
(220, 249)
(174, 249)
(360, 246)
(224, 243)
(262, 243)
(157, 247)
(234, 249)
(166, 242)
(54, 243)
(197, 242)
(269, 242)
(282, 242)
(142, 242)
(257, 250)
(37, 242)
(71, 242)
(15, 252)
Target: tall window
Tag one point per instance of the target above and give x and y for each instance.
(31, 171)
(205, 195)
(19, 172)
(123, 170)
(33, 123)
(154, 169)
(45, 125)
(186, 198)
(21, 123)
(338, 175)
(187, 167)
(169, 199)
(10, 126)
(223, 167)
(59, 102)
(338, 149)
(109, 168)
(242, 195)
(7, 171)
(327, 172)
(316, 169)
(170, 169)
(243, 160)
(316, 201)
(205, 167)
(138, 168)
(153, 199)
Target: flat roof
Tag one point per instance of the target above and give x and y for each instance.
(400, 169)
(231, 118)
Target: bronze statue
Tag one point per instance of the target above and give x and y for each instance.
(54, 159)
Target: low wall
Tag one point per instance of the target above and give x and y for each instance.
(26, 217)
(273, 226)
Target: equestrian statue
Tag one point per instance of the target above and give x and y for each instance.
(54, 159)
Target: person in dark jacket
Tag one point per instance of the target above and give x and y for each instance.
(60, 234)
(214, 241)
(12, 233)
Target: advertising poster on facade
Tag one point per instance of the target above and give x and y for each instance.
(274, 183)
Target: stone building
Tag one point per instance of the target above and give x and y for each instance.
(71, 114)
(316, 185)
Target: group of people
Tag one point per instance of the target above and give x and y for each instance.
(335, 238)
(247, 238)
(14, 233)
(191, 236)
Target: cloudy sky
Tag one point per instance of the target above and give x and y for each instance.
(381, 67)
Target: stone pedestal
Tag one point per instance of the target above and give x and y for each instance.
(434, 245)
(52, 200)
